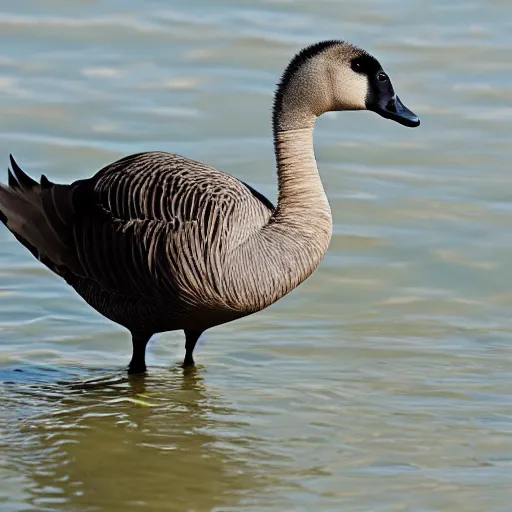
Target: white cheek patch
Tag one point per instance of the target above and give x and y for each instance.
(351, 89)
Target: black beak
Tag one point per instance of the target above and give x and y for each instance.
(395, 110)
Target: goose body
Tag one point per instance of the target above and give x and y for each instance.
(158, 242)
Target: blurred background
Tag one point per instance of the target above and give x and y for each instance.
(384, 382)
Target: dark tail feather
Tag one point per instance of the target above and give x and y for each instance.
(11, 180)
(29, 213)
(23, 179)
(15, 185)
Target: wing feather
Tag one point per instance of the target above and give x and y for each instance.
(151, 224)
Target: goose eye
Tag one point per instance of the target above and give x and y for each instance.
(382, 77)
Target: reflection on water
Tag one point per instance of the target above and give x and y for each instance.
(108, 443)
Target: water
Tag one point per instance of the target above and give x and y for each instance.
(381, 384)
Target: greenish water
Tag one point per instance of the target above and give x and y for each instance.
(381, 384)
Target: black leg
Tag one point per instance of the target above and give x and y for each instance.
(191, 338)
(138, 362)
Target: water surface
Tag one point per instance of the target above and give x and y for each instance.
(383, 382)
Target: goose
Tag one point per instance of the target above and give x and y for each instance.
(157, 242)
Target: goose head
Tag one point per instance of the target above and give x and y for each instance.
(334, 76)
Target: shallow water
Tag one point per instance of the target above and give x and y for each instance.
(383, 382)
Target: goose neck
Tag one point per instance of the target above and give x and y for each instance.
(300, 190)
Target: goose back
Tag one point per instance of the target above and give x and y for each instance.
(153, 233)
